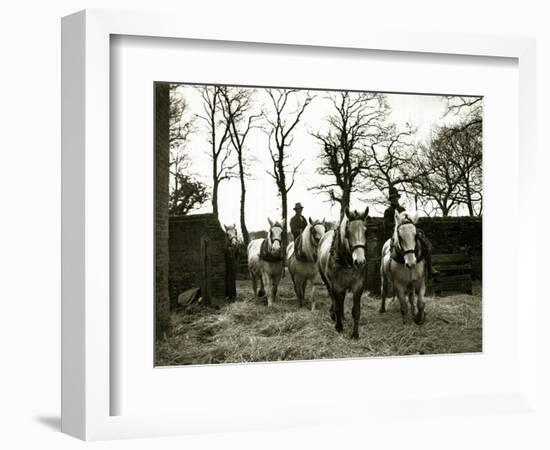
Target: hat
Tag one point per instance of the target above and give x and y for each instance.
(393, 193)
(298, 206)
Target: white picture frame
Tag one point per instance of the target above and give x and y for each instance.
(86, 384)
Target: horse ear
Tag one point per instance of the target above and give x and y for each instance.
(310, 221)
(366, 213)
(346, 212)
(414, 217)
(397, 216)
(270, 222)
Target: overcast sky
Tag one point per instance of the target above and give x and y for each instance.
(423, 112)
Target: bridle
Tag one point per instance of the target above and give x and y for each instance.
(232, 238)
(356, 246)
(314, 242)
(271, 239)
(399, 246)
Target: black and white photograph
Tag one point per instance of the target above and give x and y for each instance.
(306, 224)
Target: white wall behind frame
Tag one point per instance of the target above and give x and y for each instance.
(144, 389)
(31, 402)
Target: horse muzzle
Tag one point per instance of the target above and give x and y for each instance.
(410, 260)
(358, 257)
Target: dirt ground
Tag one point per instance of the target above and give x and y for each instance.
(249, 331)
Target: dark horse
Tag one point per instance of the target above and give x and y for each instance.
(342, 265)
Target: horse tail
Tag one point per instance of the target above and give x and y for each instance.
(325, 281)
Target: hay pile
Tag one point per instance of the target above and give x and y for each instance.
(248, 331)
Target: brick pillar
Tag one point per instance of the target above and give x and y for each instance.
(162, 157)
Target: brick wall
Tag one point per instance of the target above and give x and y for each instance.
(162, 155)
(447, 234)
(197, 257)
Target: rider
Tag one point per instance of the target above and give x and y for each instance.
(297, 222)
(389, 224)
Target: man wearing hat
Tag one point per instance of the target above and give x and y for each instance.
(297, 222)
(389, 225)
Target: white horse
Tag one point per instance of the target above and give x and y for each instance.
(266, 262)
(302, 260)
(342, 265)
(231, 235)
(402, 268)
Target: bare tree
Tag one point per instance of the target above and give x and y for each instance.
(469, 109)
(356, 118)
(466, 156)
(218, 138)
(280, 125)
(186, 192)
(179, 129)
(389, 154)
(437, 181)
(450, 171)
(236, 107)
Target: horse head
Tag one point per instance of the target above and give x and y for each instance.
(353, 231)
(404, 238)
(317, 228)
(275, 237)
(231, 235)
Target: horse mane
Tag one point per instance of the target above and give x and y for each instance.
(342, 231)
(307, 248)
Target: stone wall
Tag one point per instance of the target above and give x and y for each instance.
(162, 155)
(197, 257)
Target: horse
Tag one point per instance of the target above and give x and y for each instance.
(231, 261)
(342, 265)
(231, 235)
(402, 268)
(266, 262)
(302, 259)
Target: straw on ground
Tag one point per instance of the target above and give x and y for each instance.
(248, 331)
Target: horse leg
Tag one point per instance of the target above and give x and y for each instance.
(254, 286)
(332, 309)
(267, 282)
(356, 313)
(275, 286)
(401, 295)
(420, 317)
(329, 289)
(299, 288)
(261, 292)
(383, 289)
(339, 298)
(411, 302)
(312, 296)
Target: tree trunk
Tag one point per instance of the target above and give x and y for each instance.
(244, 230)
(284, 207)
(215, 181)
(215, 197)
(469, 200)
(344, 203)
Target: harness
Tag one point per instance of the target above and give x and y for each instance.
(264, 252)
(398, 254)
